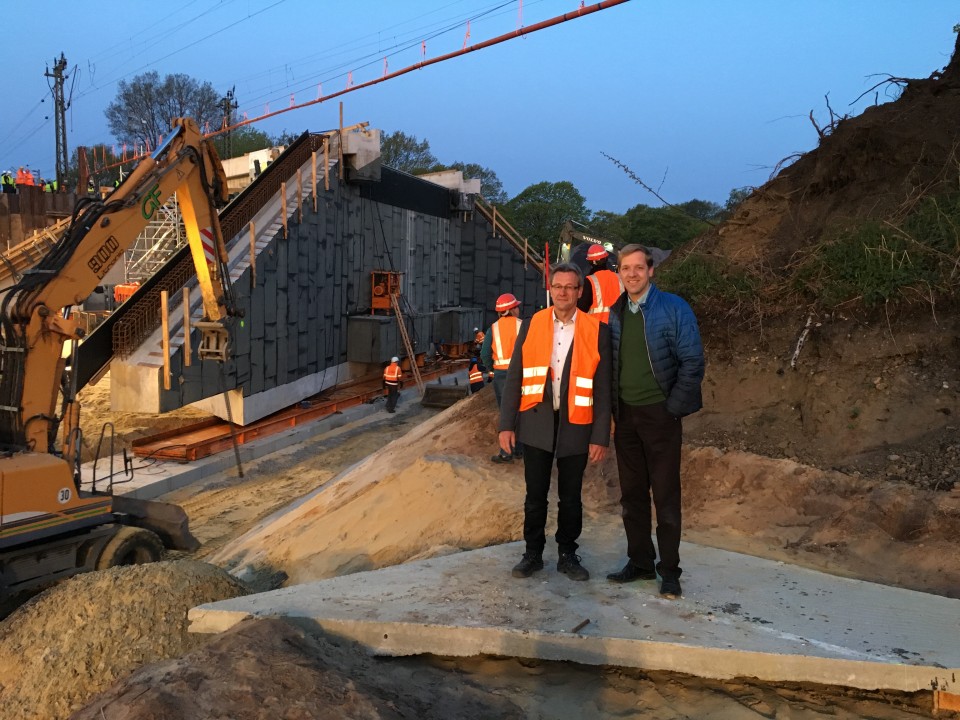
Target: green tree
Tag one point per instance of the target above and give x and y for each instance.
(663, 227)
(143, 108)
(539, 211)
(737, 196)
(490, 186)
(701, 209)
(241, 141)
(405, 152)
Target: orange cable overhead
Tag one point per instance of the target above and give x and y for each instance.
(581, 11)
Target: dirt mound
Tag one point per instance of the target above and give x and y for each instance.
(79, 637)
(893, 534)
(269, 669)
(431, 492)
(876, 165)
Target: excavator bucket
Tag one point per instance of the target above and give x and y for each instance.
(168, 521)
(443, 396)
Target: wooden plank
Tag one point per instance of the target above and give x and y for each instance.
(165, 337)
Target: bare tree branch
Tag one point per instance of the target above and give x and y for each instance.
(653, 192)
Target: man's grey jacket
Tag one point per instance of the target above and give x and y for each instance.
(676, 352)
(535, 426)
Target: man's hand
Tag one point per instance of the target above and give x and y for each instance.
(595, 454)
(508, 440)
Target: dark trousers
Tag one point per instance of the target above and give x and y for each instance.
(393, 394)
(537, 468)
(648, 442)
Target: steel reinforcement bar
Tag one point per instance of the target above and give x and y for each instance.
(142, 318)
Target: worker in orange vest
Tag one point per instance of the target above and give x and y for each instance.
(602, 286)
(496, 352)
(392, 380)
(476, 376)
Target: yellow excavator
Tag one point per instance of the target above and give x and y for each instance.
(50, 526)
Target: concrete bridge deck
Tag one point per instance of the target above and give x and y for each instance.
(740, 616)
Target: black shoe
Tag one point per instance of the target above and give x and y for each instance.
(630, 573)
(527, 566)
(569, 565)
(670, 589)
(501, 458)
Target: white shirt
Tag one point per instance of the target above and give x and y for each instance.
(562, 339)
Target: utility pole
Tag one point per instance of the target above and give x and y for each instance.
(60, 118)
(228, 104)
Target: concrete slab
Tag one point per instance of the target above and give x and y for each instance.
(740, 616)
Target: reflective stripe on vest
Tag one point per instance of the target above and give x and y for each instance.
(475, 375)
(392, 374)
(585, 356)
(504, 338)
(607, 287)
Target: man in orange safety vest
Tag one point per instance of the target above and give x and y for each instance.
(392, 377)
(603, 286)
(496, 352)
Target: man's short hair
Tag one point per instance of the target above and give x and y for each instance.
(568, 268)
(633, 248)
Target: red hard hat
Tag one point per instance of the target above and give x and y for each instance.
(596, 252)
(507, 302)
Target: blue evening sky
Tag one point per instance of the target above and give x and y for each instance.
(696, 97)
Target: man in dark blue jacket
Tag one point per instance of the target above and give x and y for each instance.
(658, 366)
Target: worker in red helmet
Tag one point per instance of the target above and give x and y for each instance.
(602, 286)
(392, 382)
(497, 350)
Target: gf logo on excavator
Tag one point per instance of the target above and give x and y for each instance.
(151, 202)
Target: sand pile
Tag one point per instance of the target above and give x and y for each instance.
(421, 495)
(431, 492)
(79, 637)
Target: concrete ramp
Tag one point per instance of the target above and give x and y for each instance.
(740, 616)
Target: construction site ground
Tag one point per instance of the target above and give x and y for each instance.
(429, 496)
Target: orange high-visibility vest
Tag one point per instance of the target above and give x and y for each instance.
(475, 375)
(504, 338)
(537, 352)
(607, 287)
(392, 375)
(479, 337)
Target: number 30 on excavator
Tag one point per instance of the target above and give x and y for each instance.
(50, 526)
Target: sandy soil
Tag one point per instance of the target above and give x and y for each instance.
(369, 502)
(81, 636)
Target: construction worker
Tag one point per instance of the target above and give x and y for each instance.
(392, 377)
(496, 352)
(476, 377)
(478, 337)
(9, 185)
(28, 177)
(603, 286)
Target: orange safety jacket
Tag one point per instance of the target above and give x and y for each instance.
(505, 332)
(537, 353)
(607, 287)
(392, 375)
(475, 375)
(479, 337)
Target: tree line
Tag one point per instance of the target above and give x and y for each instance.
(141, 112)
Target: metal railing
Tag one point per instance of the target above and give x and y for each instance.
(502, 228)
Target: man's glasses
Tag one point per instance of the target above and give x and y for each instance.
(564, 288)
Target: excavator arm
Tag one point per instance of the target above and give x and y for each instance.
(34, 316)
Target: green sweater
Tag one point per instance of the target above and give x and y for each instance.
(638, 386)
